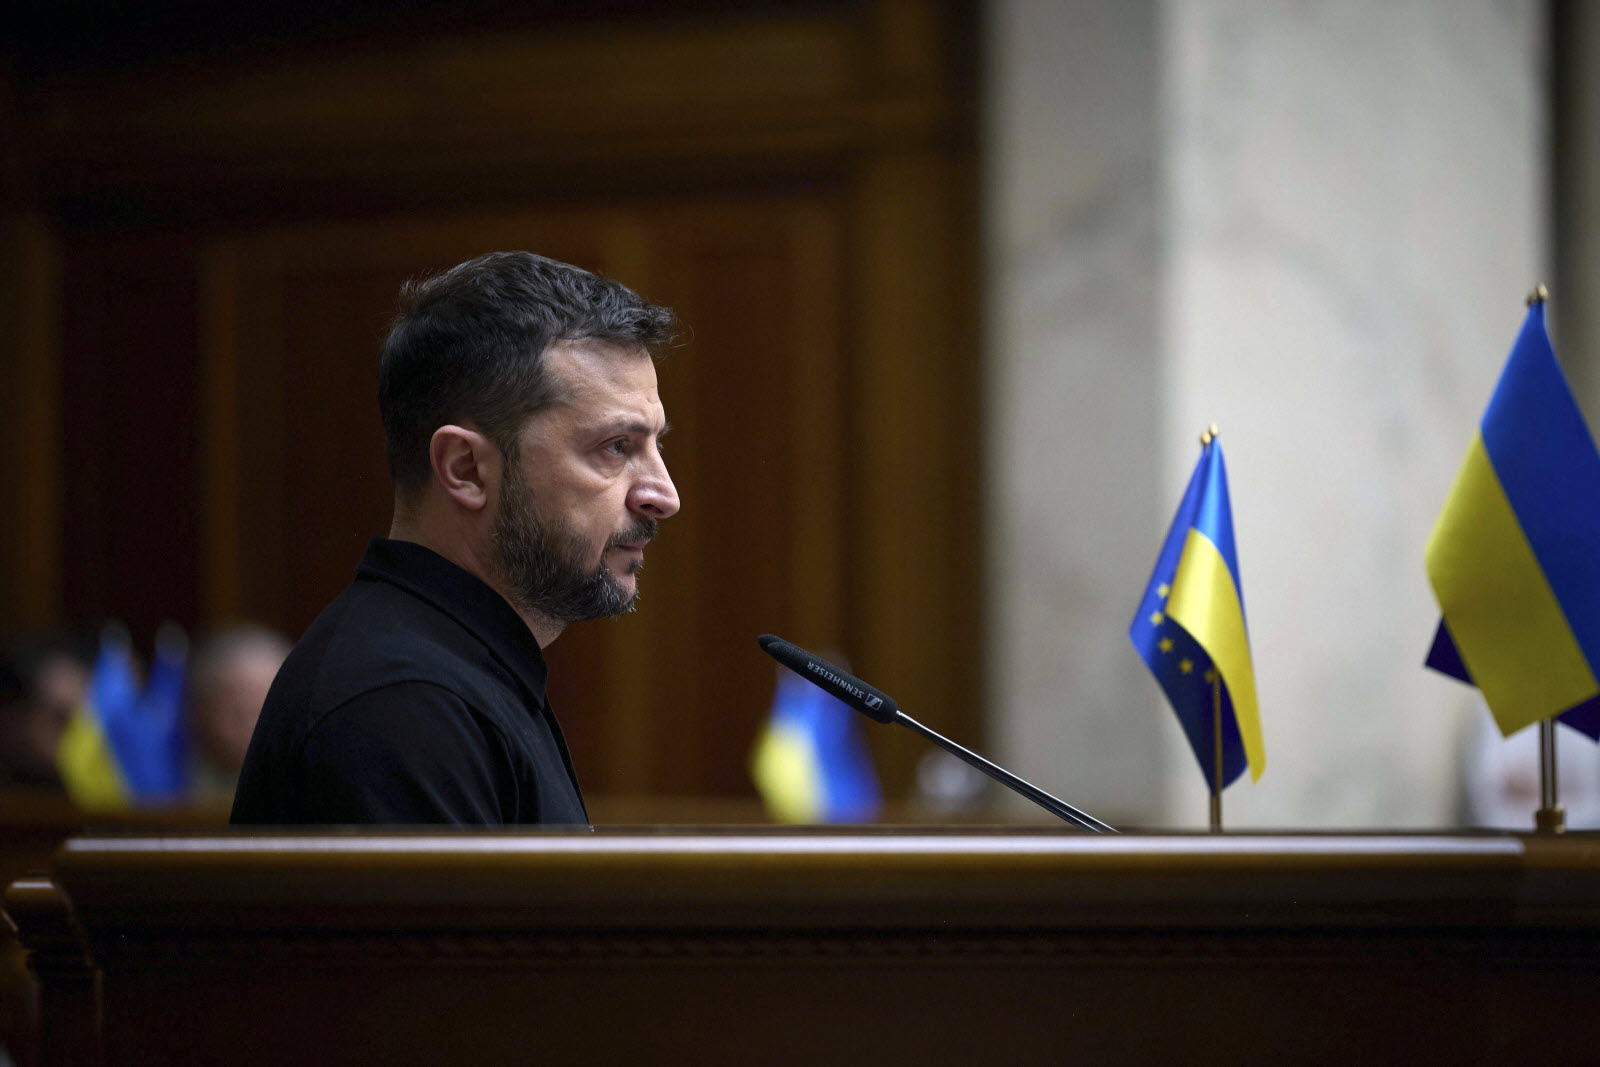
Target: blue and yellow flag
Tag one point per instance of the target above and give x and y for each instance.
(1514, 559)
(127, 745)
(810, 763)
(151, 738)
(1190, 627)
(87, 759)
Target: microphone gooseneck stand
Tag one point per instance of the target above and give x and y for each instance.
(1054, 805)
(880, 707)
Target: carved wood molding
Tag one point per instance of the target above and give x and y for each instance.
(46, 926)
(1544, 950)
(774, 84)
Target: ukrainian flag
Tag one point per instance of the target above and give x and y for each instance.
(86, 758)
(1190, 627)
(810, 763)
(1514, 558)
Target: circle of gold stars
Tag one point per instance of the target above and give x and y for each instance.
(1185, 665)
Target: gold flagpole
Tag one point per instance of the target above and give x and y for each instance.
(1206, 437)
(1551, 817)
(1216, 737)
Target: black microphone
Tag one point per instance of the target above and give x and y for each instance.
(847, 687)
(878, 705)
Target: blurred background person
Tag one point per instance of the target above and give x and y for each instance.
(44, 676)
(1501, 778)
(230, 671)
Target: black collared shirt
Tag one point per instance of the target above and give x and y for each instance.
(418, 696)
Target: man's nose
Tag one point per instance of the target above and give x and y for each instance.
(654, 494)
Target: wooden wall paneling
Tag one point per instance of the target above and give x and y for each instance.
(337, 491)
(218, 313)
(817, 480)
(788, 282)
(129, 439)
(83, 512)
(30, 421)
(917, 569)
(268, 576)
(589, 93)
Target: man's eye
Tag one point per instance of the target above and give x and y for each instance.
(619, 447)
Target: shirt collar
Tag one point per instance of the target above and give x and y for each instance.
(466, 598)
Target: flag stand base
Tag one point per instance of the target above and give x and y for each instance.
(1551, 820)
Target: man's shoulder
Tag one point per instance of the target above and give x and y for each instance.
(406, 752)
(375, 637)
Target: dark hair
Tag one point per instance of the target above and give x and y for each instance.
(468, 347)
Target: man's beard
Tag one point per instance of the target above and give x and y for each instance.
(543, 563)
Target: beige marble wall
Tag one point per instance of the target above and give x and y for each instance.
(1575, 310)
(1073, 155)
(1313, 224)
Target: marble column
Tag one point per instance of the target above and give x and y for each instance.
(1312, 224)
(1075, 421)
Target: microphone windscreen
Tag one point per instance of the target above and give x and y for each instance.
(841, 684)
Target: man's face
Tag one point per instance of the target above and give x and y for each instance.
(586, 488)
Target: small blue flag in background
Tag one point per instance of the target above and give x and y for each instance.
(129, 744)
(87, 758)
(1190, 626)
(155, 750)
(810, 763)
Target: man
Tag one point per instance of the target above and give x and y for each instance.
(44, 678)
(523, 429)
(230, 672)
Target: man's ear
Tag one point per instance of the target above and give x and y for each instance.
(466, 465)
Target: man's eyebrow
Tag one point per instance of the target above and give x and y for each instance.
(627, 425)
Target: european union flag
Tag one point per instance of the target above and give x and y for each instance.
(810, 764)
(1190, 627)
(1514, 559)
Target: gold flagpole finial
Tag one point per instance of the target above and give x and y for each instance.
(1539, 295)
(1209, 434)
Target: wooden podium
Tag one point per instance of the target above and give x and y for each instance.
(881, 947)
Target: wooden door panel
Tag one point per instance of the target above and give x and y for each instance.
(128, 402)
